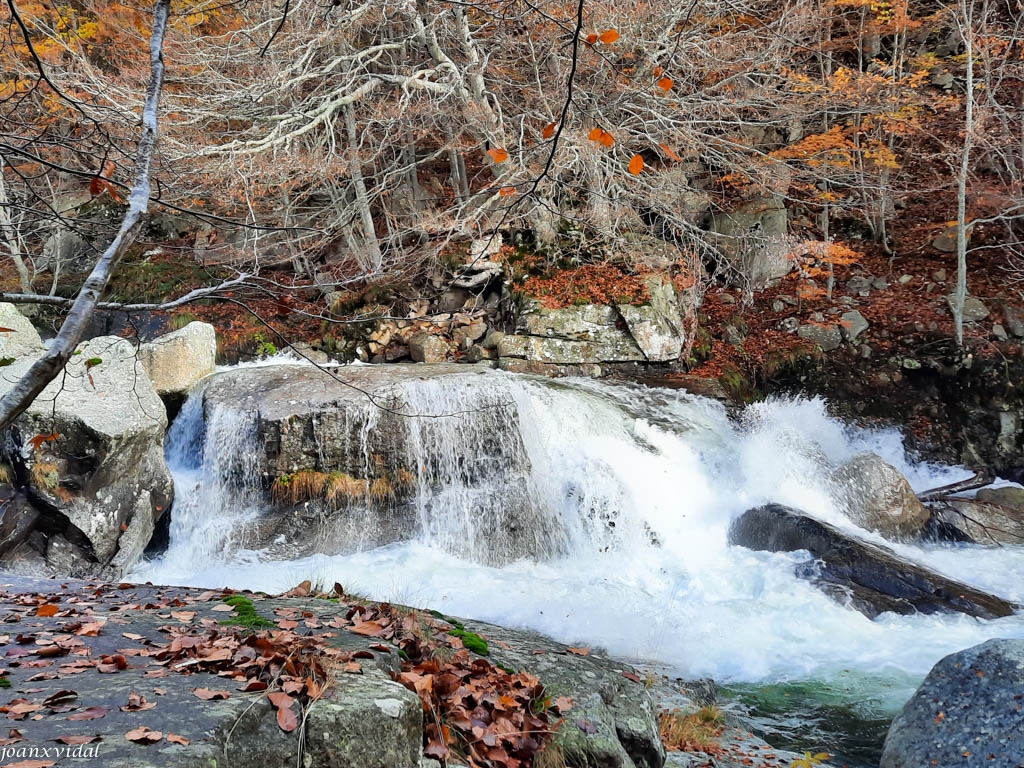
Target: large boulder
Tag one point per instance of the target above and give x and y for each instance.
(18, 337)
(598, 333)
(754, 240)
(967, 712)
(177, 361)
(869, 578)
(877, 497)
(89, 454)
(380, 456)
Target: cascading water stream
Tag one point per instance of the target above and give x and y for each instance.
(599, 514)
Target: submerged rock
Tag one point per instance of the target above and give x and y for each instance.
(877, 497)
(89, 453)
(967, 712)
(871, 579)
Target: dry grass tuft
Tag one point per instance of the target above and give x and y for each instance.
(694, 732)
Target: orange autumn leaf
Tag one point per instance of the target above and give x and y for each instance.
(549, 131)
(591, 38)
(671, 153)
(636, 164)
(659, 71)
(595, 134)
(49, 609)
(607, 139)
(507, 191)
(609, 36)
(498, 154)
(666, 84)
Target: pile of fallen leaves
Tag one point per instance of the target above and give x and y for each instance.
(588, 284)
(485, 713)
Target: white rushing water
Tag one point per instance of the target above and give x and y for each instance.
(634, 490)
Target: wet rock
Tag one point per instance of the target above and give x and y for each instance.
(91, 447)
(357, 429)
(878, 498)
(966, 713)
(427, 348)
(867, 577)
(178, 360)
(979, 521)
(1008, 496)
(827, 337)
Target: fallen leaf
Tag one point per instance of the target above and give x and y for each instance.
(144, 735)
(222, 607)
(79, 739)
(579, 651)
(208, 695)
(174, 738)
(183, 616)
(92, 713)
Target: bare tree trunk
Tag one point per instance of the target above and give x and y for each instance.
(47, 367)
(371, 248)
(10, 235)
(960, 295)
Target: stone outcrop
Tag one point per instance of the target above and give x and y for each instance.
(19, 338)
(878, 498)
(966, 713)
(373, 434)
(593, 334)
(364, 720)
(89, 454)
(867, 577)
(753, 238)
(177, 361)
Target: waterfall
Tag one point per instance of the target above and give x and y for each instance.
(215, 461)
(594, 512)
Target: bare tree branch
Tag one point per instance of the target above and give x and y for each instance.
(47, 367)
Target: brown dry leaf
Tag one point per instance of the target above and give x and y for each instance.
(208, 695)
(183, 616)
(92, 713)
(137, 703)
(579, 651)
(31, 764)
(47, 609)
(221, 607)
(498, 154)
(549, 131)
(92, 629)
(174, 738)
(287, 624)
(73, 740)
(144, 735)
(368, 628)
(609, 36)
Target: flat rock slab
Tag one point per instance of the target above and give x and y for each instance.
(75, 654)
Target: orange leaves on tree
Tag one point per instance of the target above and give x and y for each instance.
(601, 136)
(607, 37)
(498, 154)
(666, 83)
(549, 131)
(507, 191)
(636, 164)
